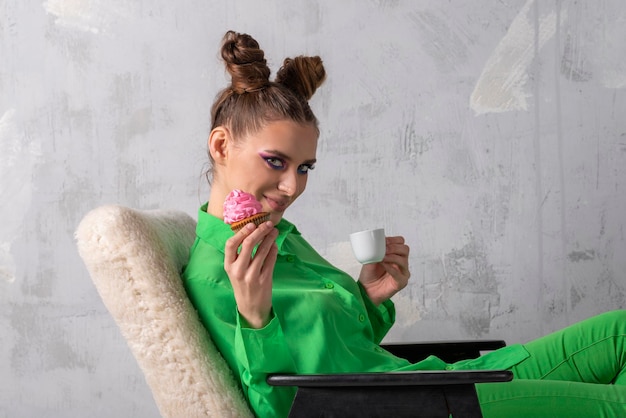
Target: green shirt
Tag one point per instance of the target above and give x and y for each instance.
(322, 319)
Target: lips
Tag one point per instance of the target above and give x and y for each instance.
(277, 204)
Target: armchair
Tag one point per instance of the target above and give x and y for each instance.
(135, 258)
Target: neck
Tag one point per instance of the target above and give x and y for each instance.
(216, 202)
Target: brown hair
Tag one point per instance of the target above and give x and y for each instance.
(252, 100)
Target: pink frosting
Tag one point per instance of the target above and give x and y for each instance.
(240, 205)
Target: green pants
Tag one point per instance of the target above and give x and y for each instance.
(579, 371)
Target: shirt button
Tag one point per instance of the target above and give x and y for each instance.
(329, 285)
(290, 258)
(361, 318)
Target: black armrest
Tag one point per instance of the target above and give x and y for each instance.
(410, 378)
(448, 351)
(393, 394)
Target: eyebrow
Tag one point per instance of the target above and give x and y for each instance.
(286, 157)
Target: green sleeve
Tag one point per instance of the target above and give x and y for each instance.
(261, 352)
(381, 317)
(252, 354)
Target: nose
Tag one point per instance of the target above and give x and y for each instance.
(288, 183)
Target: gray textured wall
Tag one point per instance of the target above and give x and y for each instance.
(491, 134)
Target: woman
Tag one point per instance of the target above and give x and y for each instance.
(273, 305)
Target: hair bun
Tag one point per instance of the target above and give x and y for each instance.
(245, 62)
(286, 98)
(302, 75)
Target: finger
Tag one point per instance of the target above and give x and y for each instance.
(233, 243)
(254, 239)
(244, 241)
(399, 249)
(263, 250)
(394, 240)
(396, 262)
(400, 259)
(270, 260)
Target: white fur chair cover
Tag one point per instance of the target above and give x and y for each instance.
(134, 259)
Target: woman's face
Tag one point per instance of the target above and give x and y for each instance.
(272, 164)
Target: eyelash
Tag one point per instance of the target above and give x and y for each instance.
(278, 164)
(305, 168)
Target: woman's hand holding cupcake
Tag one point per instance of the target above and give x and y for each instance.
(251, 276)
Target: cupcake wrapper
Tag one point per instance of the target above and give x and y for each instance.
(257, 219)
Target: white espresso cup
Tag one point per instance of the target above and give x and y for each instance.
(369, 246)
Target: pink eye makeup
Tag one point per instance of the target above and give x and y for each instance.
(273, 162)
(276, 161)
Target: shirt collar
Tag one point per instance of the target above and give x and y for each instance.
(215, 232)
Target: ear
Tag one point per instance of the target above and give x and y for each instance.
(218, 144)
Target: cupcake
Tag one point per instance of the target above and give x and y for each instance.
(241, 208)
